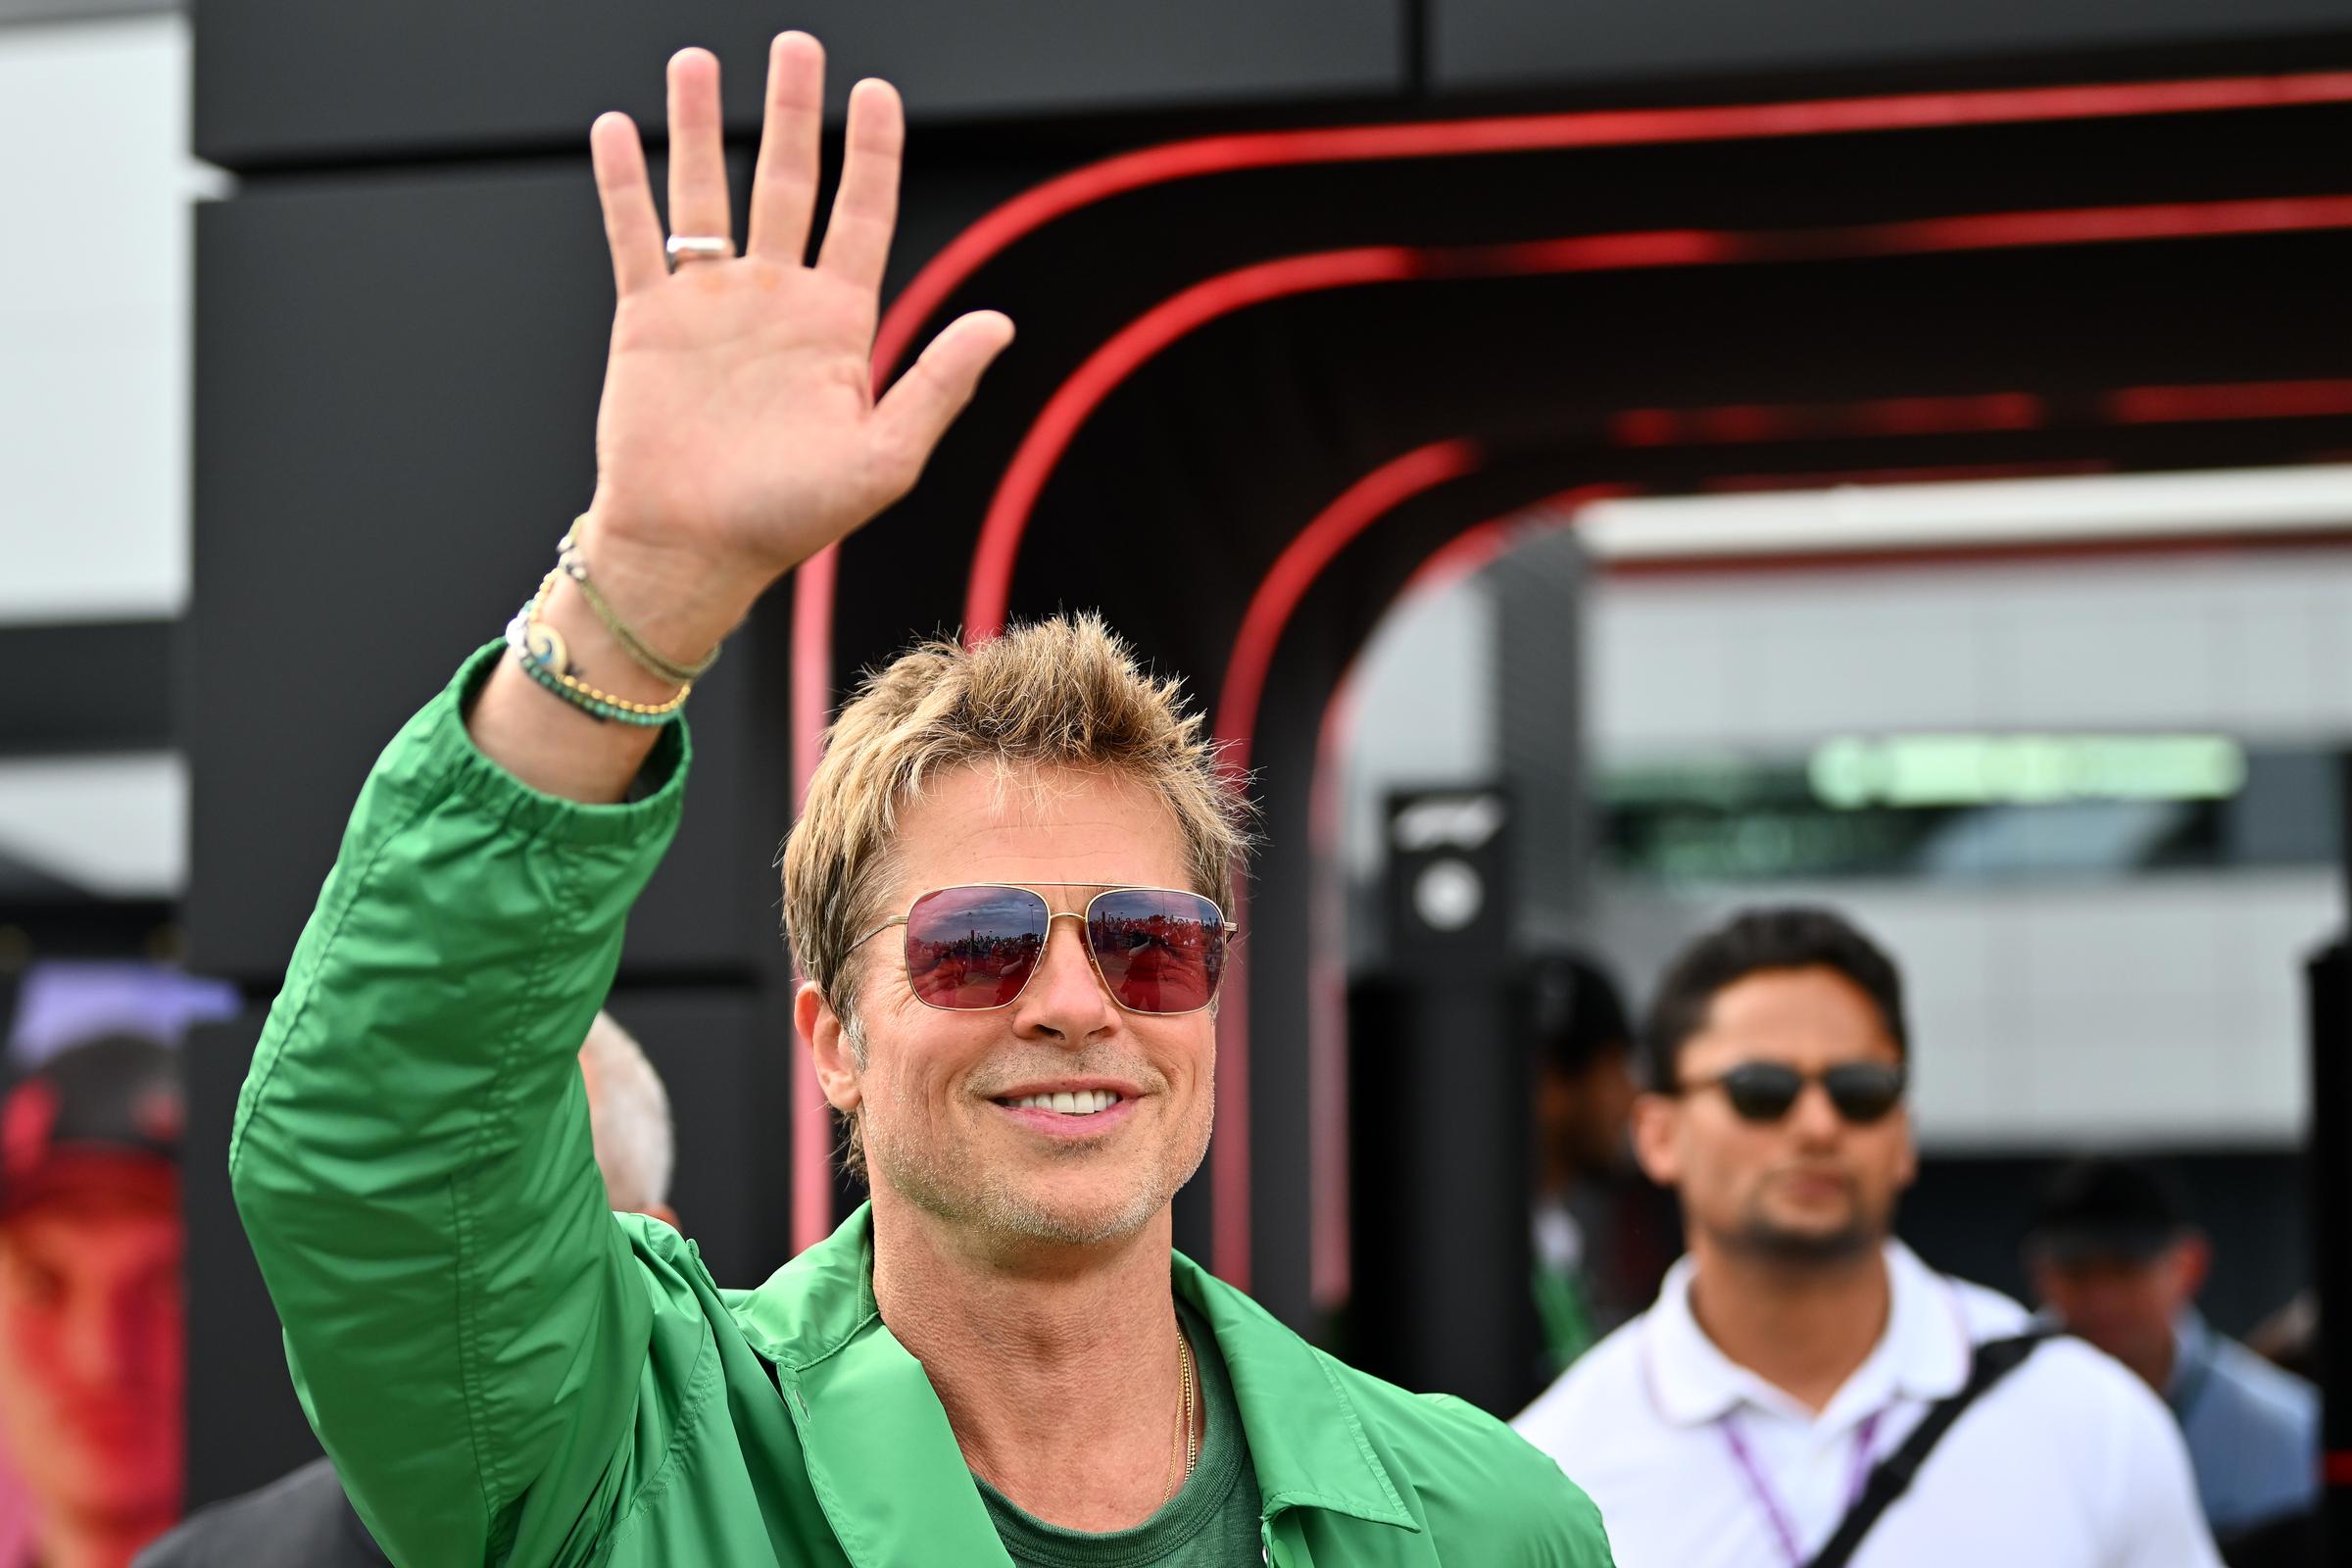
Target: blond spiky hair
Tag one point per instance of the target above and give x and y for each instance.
(1057, 694)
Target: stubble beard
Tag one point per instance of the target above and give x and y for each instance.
(1759, 1236)
(976, 1197)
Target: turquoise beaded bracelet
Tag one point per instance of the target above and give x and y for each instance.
(540, 650)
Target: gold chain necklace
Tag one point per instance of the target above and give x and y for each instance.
(1188, 1441)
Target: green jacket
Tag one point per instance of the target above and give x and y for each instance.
(505, 1372)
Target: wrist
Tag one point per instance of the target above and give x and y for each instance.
(682, 599)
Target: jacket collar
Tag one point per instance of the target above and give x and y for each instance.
(884, 1463)
(1306, 1442)
(879, 1453)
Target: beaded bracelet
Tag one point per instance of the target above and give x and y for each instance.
(541, 651)
(575, 566)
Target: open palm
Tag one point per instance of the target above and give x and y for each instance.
(738, 429)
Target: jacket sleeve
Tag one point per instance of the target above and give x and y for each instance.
(410, 1155)
(1503, 1500)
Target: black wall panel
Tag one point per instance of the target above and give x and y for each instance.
(396, 401)
(306, 83)
(1475, 45)
(97, 686)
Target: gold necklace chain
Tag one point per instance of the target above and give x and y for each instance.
(1188, 1441)
(1192, 1402)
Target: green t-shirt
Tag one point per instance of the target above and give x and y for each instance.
(1210, 1523)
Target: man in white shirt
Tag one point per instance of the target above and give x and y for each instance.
(1796, 1345)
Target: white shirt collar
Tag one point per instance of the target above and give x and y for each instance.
(1923, 1355)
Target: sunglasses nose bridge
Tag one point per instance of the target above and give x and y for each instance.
(1084, 953)
(1815, 1110)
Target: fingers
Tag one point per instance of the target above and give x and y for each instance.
(916, 412)
(784, 183)
(865, 210)
(698, 169)
(633, 228)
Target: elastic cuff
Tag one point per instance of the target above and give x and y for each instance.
(434, 750)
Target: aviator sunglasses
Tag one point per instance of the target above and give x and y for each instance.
(1155, 949)
(1863, 1092)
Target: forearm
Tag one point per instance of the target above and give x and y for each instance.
(410, 1153)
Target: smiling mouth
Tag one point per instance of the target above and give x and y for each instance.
(1067, 1102)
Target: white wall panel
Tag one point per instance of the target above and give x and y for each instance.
(1665, 681)
(2256, 645)
(115, 828)
(1424, 709)
(94, 319)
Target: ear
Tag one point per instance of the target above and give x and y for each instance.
(1657, 1120)
(820, 1030)
(2193, 1255)
(2038, 1272)
(1906, 1170)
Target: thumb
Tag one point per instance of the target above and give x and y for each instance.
(915, 413)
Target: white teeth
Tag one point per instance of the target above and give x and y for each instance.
(1078, 1103)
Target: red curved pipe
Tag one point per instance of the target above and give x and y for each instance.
(1064, 194)
(989, 586)
(1354, 510)
(1377, 495)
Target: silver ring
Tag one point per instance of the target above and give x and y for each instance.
(685, 248)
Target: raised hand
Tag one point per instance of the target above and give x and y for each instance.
(738, 434)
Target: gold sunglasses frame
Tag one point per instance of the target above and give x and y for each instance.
(1231, 931)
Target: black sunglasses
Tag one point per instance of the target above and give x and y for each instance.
(1863, 1092)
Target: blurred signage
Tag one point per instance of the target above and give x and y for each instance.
(1983, 806)
(1911, 770)
(1447, 894)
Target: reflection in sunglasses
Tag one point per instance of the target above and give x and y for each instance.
(1157, 950)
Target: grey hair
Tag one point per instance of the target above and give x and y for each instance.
(628, 1115)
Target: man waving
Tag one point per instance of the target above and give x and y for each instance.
(1009, 889)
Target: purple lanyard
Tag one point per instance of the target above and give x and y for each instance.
(1769, 1501)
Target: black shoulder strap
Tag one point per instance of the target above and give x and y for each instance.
(1891, 1477)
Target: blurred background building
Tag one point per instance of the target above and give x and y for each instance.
(2093, 801)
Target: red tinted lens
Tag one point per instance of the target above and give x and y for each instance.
(1158, 952)
(971, 948)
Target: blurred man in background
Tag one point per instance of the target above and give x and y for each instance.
(304, 1521)
(2114, 1257)
(1806, 1391)
(1583, 1102)
(2291, 1336)
(92, 1356)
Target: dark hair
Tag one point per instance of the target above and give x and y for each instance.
(1574, 1012)
(1754, 940)
(2105, 1206)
